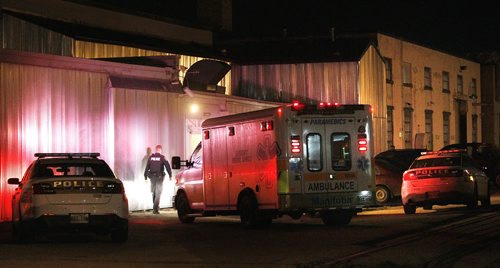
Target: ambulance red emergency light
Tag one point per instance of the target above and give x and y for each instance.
(291, 160)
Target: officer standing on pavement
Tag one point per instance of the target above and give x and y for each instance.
(155, 171)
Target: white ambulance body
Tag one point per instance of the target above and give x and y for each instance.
(290, 160)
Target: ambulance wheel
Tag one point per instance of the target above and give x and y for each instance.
(336, 217)
(409, 209)
(183, 209)
(382, 194)
(247, 207)
(120, 235)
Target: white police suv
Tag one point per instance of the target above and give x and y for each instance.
(441, 178)
(69, 192)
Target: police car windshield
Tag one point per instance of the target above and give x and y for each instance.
(437, 162)
(73, 170)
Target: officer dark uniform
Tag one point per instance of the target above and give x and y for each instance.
(155, 171)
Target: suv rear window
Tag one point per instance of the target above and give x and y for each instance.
(437, 162)
(69, 169)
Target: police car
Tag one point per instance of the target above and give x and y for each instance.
(441, 178)
(68, 192)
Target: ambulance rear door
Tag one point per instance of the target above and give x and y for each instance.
(329, 153)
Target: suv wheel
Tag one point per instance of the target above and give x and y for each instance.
(382, 194)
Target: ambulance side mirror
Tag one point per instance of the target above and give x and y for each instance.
(176, 162)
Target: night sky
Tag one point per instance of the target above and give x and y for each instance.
(458, 26)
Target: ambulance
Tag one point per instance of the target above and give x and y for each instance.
(294, 159)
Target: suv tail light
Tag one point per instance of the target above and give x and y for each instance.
(409, 175)
(43, 188)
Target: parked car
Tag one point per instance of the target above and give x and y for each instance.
(486, 155)
(442, 178)
(389, 168)
(68, 192)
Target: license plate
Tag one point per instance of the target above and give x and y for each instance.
(79, 218)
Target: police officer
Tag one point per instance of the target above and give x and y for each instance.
(155, 171)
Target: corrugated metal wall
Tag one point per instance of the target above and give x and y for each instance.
(373, 91)
(330, 81)
(21, 35)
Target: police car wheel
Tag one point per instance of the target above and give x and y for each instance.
(183, 209)
(409, 209)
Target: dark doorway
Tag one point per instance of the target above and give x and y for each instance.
(462, 122)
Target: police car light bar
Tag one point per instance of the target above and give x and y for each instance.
(70, 155)
(444, 152)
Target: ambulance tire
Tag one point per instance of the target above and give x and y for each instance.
(336, 217)
(247, 207)
(183, 209)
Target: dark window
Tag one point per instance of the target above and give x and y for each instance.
(428, 129)
(390, 126)
(446, 82)
(460, 85)
(406, 72)
(388, 70)
(446, 128)
(427, 78)
(474, 128)
(473, 88)
(408, 112)
(341, 151)
(314, 152)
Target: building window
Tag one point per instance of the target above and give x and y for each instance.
(390, 127)
(460, 85)
(427, 78)
(497, 83)
(474, 128)
(406, 70)
(446, 82)
(473, 88)
(446, 128)
(407, 127)
(428, 129)
(388, 70)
